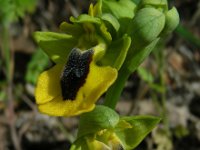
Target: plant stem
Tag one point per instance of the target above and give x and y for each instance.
(114, 92)
(161, 62)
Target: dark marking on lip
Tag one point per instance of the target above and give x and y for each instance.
(75, 73)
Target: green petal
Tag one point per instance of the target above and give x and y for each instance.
(56, 45)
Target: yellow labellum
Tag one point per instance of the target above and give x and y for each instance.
(49, 97)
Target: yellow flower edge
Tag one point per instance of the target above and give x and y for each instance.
(48, 91)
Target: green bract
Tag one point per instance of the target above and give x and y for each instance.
(100, 118)
(140, 127)
(103, 128)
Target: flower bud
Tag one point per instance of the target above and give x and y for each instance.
(172, 21)
(154, 3)
(146, 26)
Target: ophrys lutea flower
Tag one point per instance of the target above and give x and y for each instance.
(71, 88)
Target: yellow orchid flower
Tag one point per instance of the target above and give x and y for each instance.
(73, 88)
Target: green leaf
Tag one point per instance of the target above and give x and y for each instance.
(116, 52)
(56, 45)
(101, 117)
(141, 126)
(146, 26)
(37, 64)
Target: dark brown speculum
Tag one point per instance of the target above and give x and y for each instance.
(75, 73)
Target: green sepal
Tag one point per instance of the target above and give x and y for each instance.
(146, 26)
(134, 60)
(141, 126)
(116, 52)
(172, 21)
(101, 117)
(56, 45)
